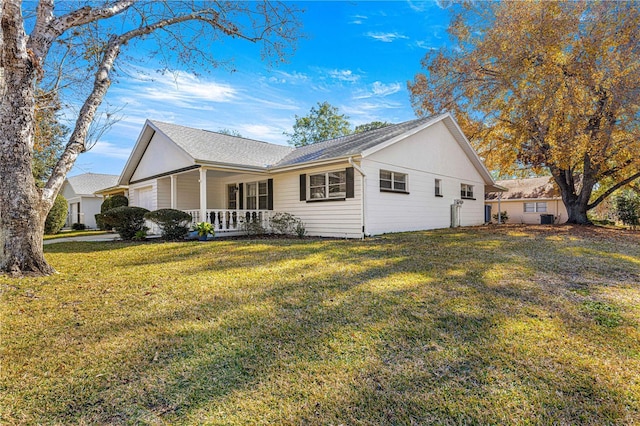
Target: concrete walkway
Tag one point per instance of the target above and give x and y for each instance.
(101, 237)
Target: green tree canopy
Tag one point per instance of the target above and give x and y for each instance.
(371, 126)
(549, 86)
(322, 123)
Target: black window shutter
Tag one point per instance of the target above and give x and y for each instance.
(350, 190)
(303, 187)
(241, 195)
(269, 194)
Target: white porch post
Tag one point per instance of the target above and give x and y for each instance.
(174, 191)
(203, 195)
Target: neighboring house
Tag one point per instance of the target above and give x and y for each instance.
(527, 200)
(421, 174)
(82, 200)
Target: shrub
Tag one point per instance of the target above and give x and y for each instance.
(253, 227)
(57, 216)
(504, 217)
(284, 223)
(78, 227)
(174, 224)
(628, 208)
(126, 220)
(300, 229)
(108, 204)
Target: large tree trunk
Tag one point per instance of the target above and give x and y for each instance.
(575, 201)
(577, 214)
(23, 210)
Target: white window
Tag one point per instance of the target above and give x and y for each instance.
(393, 181)
(438, 184)
(466, 191)
(257, 195)
(328, 185)
(540, 207)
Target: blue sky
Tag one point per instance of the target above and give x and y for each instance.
(358, 56)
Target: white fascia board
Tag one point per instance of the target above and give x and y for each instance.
(230, 167)
(317, 163)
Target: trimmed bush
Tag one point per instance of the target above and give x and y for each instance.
(108, 204)
(57, 216)
(78, 227)
(174, 224)
(127, 221)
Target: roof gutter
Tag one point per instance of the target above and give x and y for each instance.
(362, 197)
(306, 165)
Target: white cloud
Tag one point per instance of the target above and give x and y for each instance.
(424, 45)
(107, 149)
(386, 37)
(344, 75)
(381, 89)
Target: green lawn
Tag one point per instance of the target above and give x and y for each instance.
(526, 325)
(66, 234)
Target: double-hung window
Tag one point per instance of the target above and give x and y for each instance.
(257, 195)
(540, 207)
(393, 181)
(438, 187)
(466, 191)
(328, 185)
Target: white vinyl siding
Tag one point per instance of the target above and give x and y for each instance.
(340, 219)
(430, 154)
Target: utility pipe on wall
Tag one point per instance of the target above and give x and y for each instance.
(362, 190)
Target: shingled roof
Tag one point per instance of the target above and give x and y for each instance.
(88, 183)
(211, 147)
(530, 188)
(349, 145)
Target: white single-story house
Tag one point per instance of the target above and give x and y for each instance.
(82, 200)
(416, 175)
(529, 200)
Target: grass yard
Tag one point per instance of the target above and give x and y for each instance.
(68, 234)
(526, 325)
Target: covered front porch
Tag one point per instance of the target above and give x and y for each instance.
(228, 199)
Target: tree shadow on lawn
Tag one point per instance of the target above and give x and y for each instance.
(381, 333)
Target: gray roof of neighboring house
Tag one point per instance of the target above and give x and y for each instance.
(88, 183)
(529, 188)
(349, 145)
(207, 146)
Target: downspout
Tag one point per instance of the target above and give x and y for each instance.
(499, 213)
(362, 190)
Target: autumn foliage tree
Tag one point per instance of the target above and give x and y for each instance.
(71, 38)
(544, 86)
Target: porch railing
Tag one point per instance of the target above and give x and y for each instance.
(231, 221)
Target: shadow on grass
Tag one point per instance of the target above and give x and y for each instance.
(450, 327)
